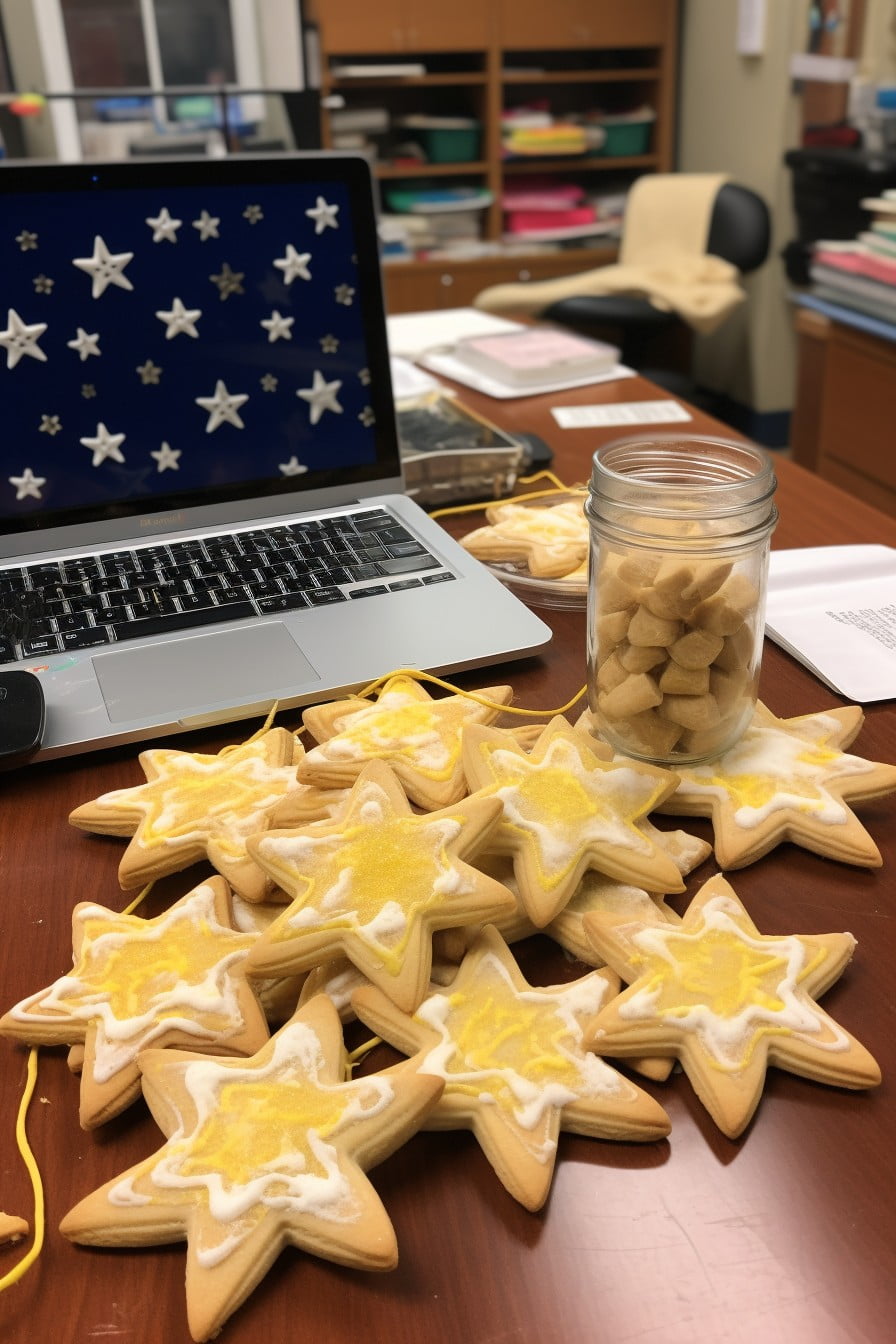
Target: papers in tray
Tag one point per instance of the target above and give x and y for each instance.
(834, 608)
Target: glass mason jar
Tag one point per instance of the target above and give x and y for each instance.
(680, 529)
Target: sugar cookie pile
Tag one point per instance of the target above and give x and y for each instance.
(383, 875)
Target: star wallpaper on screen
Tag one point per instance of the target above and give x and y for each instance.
(156, 342)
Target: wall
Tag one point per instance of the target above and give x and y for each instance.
(739, 114)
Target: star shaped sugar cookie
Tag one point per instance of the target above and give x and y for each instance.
(260, 1154)
(787, 779)
(552, 539)
(567, 809)
(418, 736)
(173, 980)
(727, 1001)
(515, 1065)
(374, 883)
(195, 806)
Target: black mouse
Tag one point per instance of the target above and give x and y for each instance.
(21, 716)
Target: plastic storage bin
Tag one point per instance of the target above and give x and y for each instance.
(627, 133)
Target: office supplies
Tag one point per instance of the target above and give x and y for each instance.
(200, 507)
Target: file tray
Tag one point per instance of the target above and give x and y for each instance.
(451, 454)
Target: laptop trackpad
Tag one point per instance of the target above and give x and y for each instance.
(186, 678)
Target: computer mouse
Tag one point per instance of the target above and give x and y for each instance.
(21, 717)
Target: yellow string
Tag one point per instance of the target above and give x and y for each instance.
(559, 488)
(355, 1056)
(138, 899)
(415, 674)
(235, 746)
(24, 1147)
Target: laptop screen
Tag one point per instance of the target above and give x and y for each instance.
(187, 332)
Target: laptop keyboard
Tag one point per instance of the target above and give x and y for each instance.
(125, 594)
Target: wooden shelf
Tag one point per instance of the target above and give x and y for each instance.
(620, 76)
(481, 56)
(386, 170)
(594, 163)
(442, 80)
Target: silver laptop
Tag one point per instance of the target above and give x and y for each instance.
(200, 499)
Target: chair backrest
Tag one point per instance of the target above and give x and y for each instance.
(740, 227)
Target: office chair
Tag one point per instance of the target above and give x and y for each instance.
(739, 232)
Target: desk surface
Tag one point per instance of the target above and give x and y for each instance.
(788, 1234)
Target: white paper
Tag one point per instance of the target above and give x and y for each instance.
(414, 334)
(620, 413)
(409, 381)
(449, 367)
(834, 608)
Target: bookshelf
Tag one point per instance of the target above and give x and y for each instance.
(471, 61)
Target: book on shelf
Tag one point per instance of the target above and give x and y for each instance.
(850, 283)
(856, 259)
(378, 70)
(535, 355)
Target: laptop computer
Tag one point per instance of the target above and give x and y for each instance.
(200, 501)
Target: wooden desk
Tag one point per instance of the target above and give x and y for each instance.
(787, 1235)
(842, 424)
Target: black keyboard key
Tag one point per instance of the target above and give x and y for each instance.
(32, 648)
(406, 548)
(444, 577)
(403, 564)
(195, 601)
(390, 535)
(75, 621)
(369, 592)
(283, 602)
(321, 597)
(90, 638)
(7, 650)
(231, 594)
(182, 620)
(359, 572)
(372, 521)
(405, 583)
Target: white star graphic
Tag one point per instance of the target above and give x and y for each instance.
(222, 406)
(85, 343)
(324, 215)
(105, 267)
(49, 424)
(293, 264)
(207, 225)
(21, 339)
(268, 382)
(179, 319)
(293, 467)
(321, 396)
(344, 294)
(277, 326)
(104, 445)
(164, 228)
(166, 456)
(27, 484)
(253, 213)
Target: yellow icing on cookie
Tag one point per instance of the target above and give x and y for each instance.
(730, 987)
(232, 791)
(375, 881)
(409, 728)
